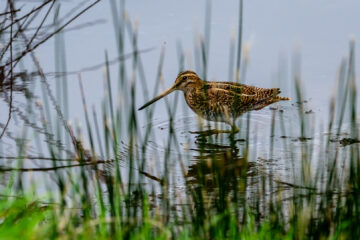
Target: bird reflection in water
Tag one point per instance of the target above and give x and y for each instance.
(219, 166)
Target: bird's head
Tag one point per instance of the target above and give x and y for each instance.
(184, 81)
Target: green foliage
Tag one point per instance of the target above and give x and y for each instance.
(24, 218)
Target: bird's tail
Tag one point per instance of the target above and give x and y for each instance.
(276, 92)
(282, 98)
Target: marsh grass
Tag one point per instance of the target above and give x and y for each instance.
(108, 191)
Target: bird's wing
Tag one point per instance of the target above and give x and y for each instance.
(235, 87)
(245, 89)
(230, 103)
(218, 96)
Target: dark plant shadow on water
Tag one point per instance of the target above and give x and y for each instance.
(210, 132)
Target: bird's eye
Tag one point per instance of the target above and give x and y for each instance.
(184, 78)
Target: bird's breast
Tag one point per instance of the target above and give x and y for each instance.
(204, 107)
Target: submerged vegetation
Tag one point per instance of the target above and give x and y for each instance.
(109, 182)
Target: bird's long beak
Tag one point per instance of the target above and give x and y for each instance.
(166, 92)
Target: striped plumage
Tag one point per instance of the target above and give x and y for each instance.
(220, 101)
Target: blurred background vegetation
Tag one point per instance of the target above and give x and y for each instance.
(110, 179)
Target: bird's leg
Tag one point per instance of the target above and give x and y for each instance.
(234, 129)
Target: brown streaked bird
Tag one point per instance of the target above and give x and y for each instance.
(220, 101)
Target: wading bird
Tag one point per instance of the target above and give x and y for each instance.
(220, 101)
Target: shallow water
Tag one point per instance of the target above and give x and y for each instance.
(273, 32)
